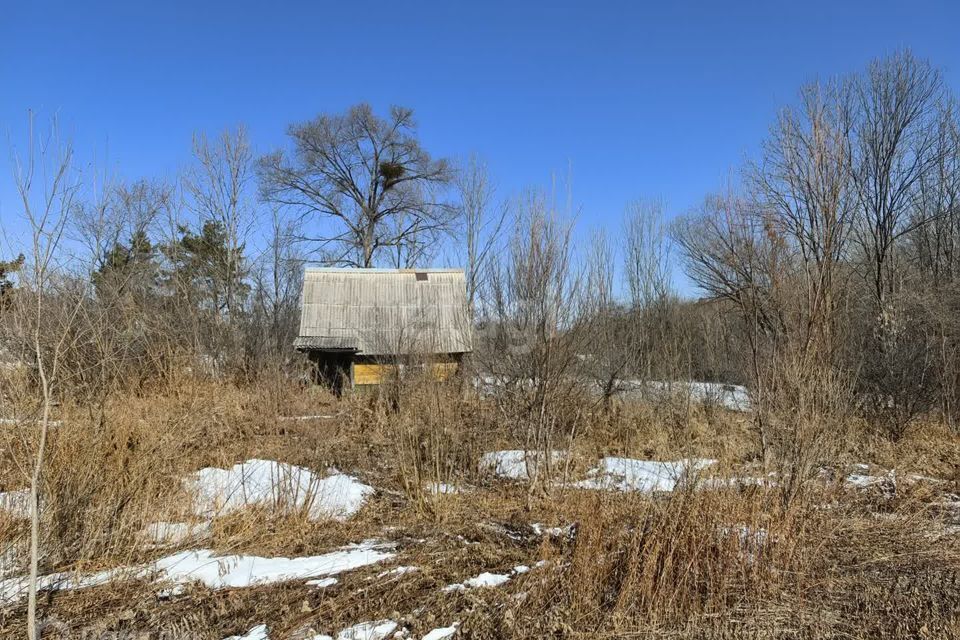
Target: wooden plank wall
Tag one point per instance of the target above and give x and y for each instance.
(374, 373)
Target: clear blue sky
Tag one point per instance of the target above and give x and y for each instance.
(641, 99)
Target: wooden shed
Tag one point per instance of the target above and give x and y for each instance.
(361, 326)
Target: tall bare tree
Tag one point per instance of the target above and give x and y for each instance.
(803, 197)
(646, 252)
(218, 186)
(894, 146)
(529, 346)
(481, 219)
(364, 182)
(278, 279)
(47, 188)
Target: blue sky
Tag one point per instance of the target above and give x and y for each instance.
(641, 99)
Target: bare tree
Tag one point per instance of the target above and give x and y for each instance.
(364, 181)
(608, 331)
(802, 195)
(481, 219)
(729, 255)
(935, 216)
(46, 207)
(530, 349)
(934, 252)
(894, 146)
(278, 278)
(218, 186)
(646, 252)
(778, 255)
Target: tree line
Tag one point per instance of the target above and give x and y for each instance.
(832, 255)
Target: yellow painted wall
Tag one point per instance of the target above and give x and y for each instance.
(444, 370)
(372, 373)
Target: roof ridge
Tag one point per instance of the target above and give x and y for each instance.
(365, 271)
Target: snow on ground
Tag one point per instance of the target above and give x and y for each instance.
(259, 632)
(13, 589)
(398, 571)
(628, 474)
(13, 422)
(738, 482)
(442, 488)
(513, 464)
(16, 503)
(861, 481)
(278, 486)
(218, 572)
(11, 559)
(552, 532)
(173, 533)
(322, 583)
(729, 396)
(376, 630)
(442, 633)
(215, 572)
(863, 476)
(486, 579)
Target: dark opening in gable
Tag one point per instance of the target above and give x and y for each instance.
(422, 276)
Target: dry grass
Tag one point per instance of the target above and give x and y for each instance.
(696, 564)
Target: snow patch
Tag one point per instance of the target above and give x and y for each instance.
(752, 540)
(861, 481)
(377, 630)
(218, 572)
(13, 589)
(729, 396)
(442, 488)
(442, 633)
(398, 571)
(628, 474)
(215, 572)
(16, 503)
(514, 464)
(278, 486)
(551, 532)
(259, 632)
(173, 533)
(738, 482)
(486, 579)
(322, 583)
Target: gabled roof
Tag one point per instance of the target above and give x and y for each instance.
(384, 311)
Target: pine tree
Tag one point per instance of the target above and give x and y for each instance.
(7, 268)
(202, 271)
(128, 271)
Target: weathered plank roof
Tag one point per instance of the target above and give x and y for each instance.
(385, 311)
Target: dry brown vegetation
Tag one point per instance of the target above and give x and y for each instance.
(838, 562)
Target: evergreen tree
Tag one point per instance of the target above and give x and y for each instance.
(128, 271)
(7, 268)
(203, 271)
